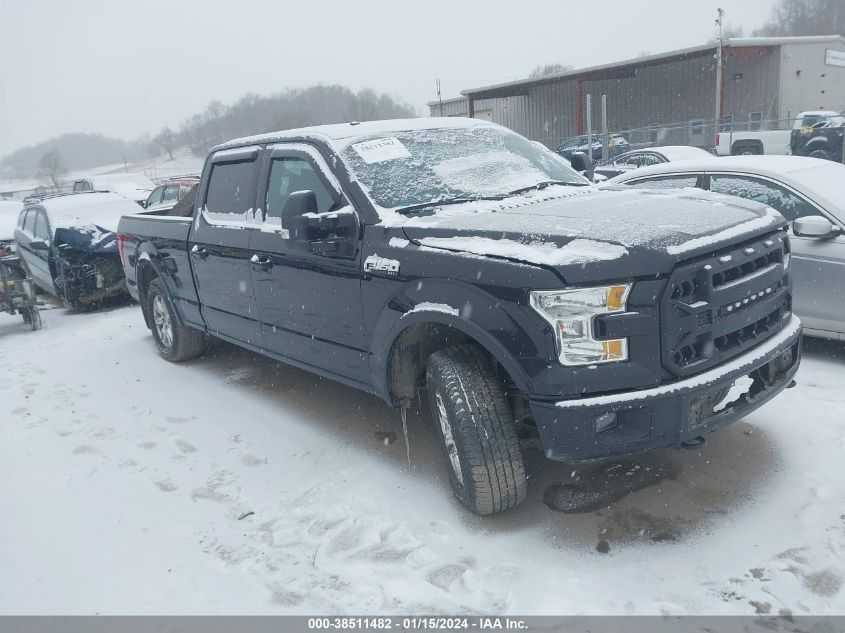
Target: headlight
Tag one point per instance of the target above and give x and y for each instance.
(571, 314)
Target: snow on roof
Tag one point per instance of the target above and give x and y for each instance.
(339, 131)
(81, 209)
(771, 165)
(682, 152)
(818, 113)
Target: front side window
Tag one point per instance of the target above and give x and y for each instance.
(760, 190)
(420, 167)
(295, 174)
(231, 190)
(666, 182)
(155, 196)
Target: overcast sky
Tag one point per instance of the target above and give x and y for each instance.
(125, 68)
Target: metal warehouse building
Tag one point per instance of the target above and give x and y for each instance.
(671, 98)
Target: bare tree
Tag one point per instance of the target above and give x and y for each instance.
(805, 17)
(166, 140)
(549, 69)
(52, 166)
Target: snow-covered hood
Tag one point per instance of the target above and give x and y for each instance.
(588, 234)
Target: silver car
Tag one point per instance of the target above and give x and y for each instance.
(809, 192)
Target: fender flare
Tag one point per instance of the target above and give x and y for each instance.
(148, 258)
(817, 142)
(393, 322)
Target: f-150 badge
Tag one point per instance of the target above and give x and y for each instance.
(381, 266)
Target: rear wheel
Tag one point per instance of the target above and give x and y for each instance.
(747, 149)
(471, 413)
(175, 342)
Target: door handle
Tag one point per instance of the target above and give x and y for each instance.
(202, 251)
(262, 261)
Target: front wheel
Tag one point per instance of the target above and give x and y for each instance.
(471, 412)
(175, 342)
(32, 317)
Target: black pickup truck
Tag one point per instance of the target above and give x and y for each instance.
(456, 258)
(818, 135)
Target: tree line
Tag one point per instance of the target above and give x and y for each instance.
(292, 108)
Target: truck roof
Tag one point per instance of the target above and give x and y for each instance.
(341, 134)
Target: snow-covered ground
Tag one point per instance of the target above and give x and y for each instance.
(184, 163)
(234, 484)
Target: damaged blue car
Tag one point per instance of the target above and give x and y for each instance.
(68, 245)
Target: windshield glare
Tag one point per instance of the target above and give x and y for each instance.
(430, 166)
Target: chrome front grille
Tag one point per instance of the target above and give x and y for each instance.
(718, 307)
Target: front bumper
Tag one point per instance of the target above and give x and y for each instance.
(670, 414)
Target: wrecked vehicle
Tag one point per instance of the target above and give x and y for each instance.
(455, 258)
(67, 244)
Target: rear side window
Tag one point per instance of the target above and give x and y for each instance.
(231, 190)
(769, 193)
(42, 230)
(665, 182)
(29, 224)
(171, 193)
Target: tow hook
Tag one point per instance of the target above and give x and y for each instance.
(791, 384)
(696, 442)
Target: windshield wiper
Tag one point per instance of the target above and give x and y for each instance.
(547, 183)
(439, 203)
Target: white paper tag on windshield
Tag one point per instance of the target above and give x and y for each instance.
(381, 149)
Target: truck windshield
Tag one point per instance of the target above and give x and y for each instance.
(418, 167)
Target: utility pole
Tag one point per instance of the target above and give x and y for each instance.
(589, 106)
(605, 138)
(439, 97)
(718, 115)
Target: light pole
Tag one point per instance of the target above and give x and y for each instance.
(718, 115)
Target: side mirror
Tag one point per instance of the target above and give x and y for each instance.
(298, 204)
(582, 164)
(814, 226)
(39, 245)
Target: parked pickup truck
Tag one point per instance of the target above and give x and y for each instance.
(455, 258)
(749, 143)
(819, 135)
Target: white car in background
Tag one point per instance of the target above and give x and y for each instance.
(135, 187)
(806, 191)
(648, 156)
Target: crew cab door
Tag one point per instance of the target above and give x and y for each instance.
(36, 231)
(306, 271)
(219, 245)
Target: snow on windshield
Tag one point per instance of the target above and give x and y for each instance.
(489, 174)
(413, 167)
